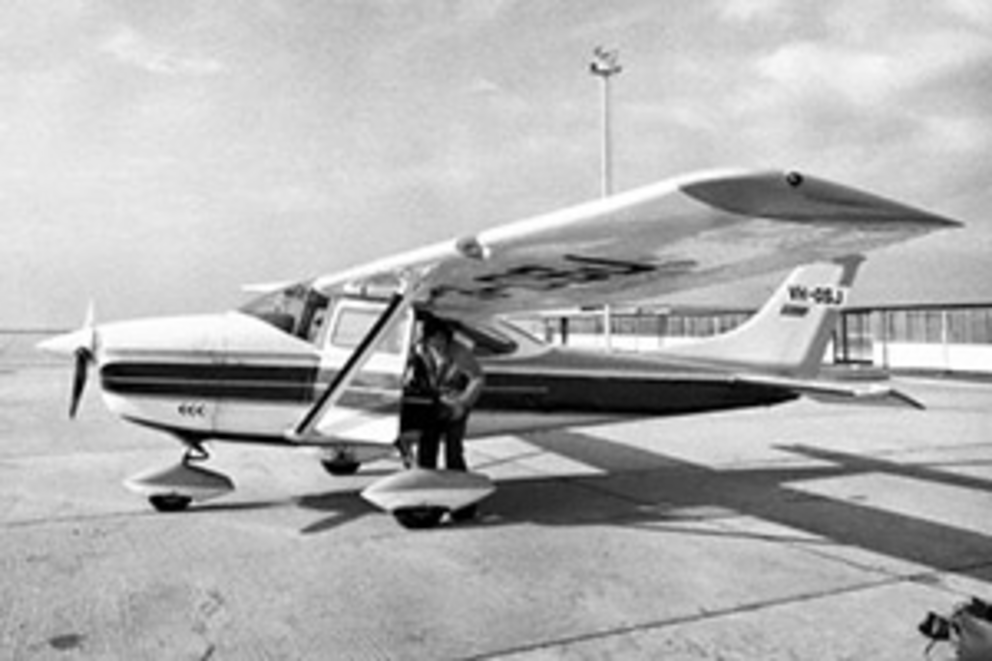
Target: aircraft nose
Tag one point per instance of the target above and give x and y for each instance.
(73, 343)
(82, 345)
(66, 344)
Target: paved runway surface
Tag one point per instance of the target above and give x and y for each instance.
(806, 531)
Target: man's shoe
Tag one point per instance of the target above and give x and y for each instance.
(404, 444)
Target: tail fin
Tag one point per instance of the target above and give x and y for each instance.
(789, 335)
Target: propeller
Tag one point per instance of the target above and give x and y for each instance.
(83, 358)
(82, 345)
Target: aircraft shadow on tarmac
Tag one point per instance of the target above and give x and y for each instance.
(344, 508)
(679, 491)
(338, 508)
(673, 492)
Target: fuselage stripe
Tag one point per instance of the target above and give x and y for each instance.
(238, 382)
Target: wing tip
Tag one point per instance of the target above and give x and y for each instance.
(794, 196)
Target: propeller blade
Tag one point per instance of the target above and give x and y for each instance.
(68, 344)
(83, 345)
(83, 358)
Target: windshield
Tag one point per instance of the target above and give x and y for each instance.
(297, 310)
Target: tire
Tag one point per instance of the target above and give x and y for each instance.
(469, 513)
(419, 518)
(340, 467)
(171, 502)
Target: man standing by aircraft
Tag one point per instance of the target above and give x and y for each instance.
(452, 376)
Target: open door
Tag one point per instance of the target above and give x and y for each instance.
(363, 421)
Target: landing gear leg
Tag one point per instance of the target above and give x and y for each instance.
(195, 453)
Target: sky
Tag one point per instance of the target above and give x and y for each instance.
(156, 156)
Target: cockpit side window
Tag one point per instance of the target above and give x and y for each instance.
(353, 324)
(297, 310)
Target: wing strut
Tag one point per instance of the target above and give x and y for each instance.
(399, 303)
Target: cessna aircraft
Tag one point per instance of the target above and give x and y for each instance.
(320, 362)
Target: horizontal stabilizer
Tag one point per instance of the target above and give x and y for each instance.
(882, 396)
(839, 393)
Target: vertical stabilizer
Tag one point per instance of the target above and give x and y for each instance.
(789, 334)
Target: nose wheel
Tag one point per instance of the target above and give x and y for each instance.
(175, 488)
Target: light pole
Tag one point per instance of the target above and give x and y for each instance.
(605, 64)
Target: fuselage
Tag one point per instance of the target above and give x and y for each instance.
(235, 377)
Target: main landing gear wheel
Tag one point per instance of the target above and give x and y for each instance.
(339, 467)
(171, 502)
(419, 518)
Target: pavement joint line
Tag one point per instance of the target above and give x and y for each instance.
(81, 518)
(583, 483)
(811, 546)
(142, 513)
(822, 549)
(707, 615)
(492, 461)
(917, 449)
(887, 577)
(816, 547)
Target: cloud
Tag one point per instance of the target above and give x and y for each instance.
(973, 11)
(748, 11)
(882, 76)
(957, 134)
(815, 69)
(906, 107)
(333, 192)
(883, 82)
(484, 87)
(133, 49)
(870, 52)
(472, 12)
(608, 23)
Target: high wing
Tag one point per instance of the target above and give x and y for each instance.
(684, 233)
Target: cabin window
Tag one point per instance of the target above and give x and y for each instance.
(488, 341)
(354, 323)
